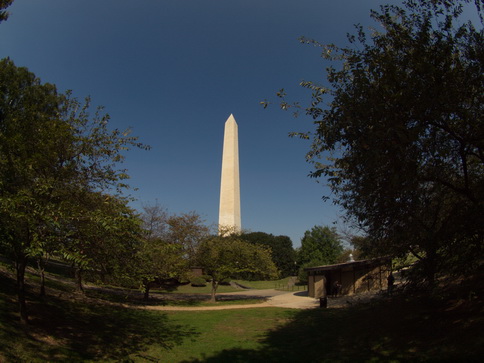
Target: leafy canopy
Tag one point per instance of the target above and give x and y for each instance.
(58, 166)
(282, 252)
(229, 257)
(399, 133)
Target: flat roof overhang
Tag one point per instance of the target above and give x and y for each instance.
(350, 265)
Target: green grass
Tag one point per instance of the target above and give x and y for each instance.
(183, 301)
(189, 289)
(70, 327)
(264, 284)
(220, 331)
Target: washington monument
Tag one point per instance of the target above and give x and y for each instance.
(229, 211)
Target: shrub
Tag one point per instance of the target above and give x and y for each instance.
(206, 278)
(198, 282)
(225, 282)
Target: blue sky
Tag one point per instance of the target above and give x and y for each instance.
(174, 70)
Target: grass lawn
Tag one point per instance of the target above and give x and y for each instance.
(69, 327)
(188, 289)
(275, 284)
(215, 332)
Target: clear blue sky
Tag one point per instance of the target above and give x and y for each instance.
(174, 70)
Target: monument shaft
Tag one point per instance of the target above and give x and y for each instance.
(229, 211)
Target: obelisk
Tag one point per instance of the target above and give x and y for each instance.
(229, 211)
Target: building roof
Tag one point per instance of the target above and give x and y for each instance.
(353, 264)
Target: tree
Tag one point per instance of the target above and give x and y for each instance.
(282, 252)
(163, 254)
(52, 156)
(155, 219)
(320, 246)
(101, 236)
(27, 108)
(187, 230)
(184, 229)
(403, 133)
(3, 5)
(158, 260)
(227, 257)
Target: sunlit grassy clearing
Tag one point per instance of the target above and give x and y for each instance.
(189, 289)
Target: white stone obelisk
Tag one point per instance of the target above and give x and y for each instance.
(229, 212)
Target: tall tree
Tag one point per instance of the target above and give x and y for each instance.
(155, 219)
(320, 246)
(164, 252)
(282, 251)
(52, 155)
(184, 229)
(28, 158)
(158, 260)
(403, 133)
(100, 235)
(187, 230)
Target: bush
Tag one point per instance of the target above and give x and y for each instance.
(198, 282)
(207, 278)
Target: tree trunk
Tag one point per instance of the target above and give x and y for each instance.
(430, 267)
(146, 295)
(20, 266)
(214, 290)
(41, 267)
(78, 277)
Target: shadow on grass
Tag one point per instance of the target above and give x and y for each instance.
(62, 330)
(396, 329)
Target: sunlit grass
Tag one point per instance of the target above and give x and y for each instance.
(219, 331)
(189, 289)
(272, 284)
(261, 285)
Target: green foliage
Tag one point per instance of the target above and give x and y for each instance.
(403, 128)
(154, 219)
(282, 251)
(320, 245)
(57, 166)
(3, 5)
(229, 257)
(158, 259)
(198, 281)
(206, 277)
(104, 235)
(170, 244)
(187, 230)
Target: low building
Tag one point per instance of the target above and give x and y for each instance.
(348, 278)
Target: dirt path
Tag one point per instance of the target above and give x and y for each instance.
(275, 298)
